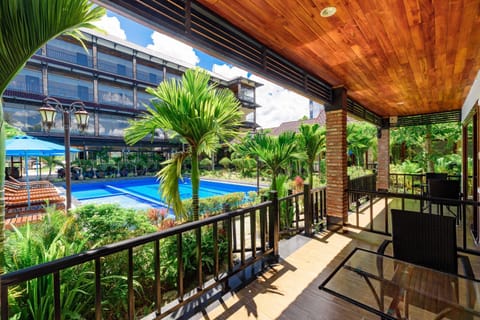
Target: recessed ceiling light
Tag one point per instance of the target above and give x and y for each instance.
(328, 12)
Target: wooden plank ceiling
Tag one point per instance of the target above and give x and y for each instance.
(394, 57)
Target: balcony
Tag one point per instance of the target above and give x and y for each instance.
(121, 69)
(281, 276)
(77, 57)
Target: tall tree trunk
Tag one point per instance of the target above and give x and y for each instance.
(428, 148)
(195, 179)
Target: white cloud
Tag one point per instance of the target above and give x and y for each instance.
(111, 25)
(277, 104)
(173, 48)
(229, 72)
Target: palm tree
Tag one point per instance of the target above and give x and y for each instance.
(25, 26)
(312, 141)
(200, 113)
(360, 138)
(277, 153)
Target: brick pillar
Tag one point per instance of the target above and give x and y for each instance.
(337, 203)
(383, 159)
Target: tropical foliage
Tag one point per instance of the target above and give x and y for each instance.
(425, 145)
(275, 153)
(312, 141)
(200, 113)
(361, 137)
(25, 26)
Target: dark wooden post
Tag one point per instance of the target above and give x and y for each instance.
(274, 225)
(307, 210)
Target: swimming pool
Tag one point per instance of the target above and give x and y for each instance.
(145, 192)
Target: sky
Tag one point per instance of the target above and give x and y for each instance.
(277, 104)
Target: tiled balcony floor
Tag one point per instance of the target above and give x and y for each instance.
(289, 290)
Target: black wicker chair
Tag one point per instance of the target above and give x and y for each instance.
(430, 241)
(435, 175)
(429, 176)
(443, 192)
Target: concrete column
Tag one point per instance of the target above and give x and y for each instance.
(337, 180)
(383, 157)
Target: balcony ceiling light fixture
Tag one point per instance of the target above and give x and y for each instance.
(328, 12)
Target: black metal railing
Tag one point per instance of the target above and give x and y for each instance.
(121, 69)
(364, 183)
(374, 215)
(299, 213)
(79, 57)
(410, 183)
(249, 234)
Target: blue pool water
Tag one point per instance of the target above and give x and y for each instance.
(145, 192)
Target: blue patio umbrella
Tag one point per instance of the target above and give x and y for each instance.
(28, 146)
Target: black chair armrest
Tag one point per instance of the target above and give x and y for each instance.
(383, 246)
(467, 267)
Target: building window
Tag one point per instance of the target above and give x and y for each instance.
(115, 95)
(28, 81)
(113, 64)
(69, 52)
(152, 78)
(82, 59)
(32, 84)
(247, 94)
(149, 74)
(112, 125)
(121, 70)
(60, 85)
(83, 93)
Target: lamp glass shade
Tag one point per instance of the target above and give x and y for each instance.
(82, 119)
(48, 114)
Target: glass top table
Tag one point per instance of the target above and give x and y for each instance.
(394, 289)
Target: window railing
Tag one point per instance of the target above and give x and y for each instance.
(80, 57)
(153, 78)
(115, 68)
(22, 92)
(70, 91)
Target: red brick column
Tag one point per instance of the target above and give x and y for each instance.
(383, 160)
(337, 202)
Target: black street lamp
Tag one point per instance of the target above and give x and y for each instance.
(48, 112)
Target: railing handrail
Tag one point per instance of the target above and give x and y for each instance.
(389, 194)
(22, 275)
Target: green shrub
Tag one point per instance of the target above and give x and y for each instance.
(108, 223)
(406, 167)
(40, 243)
(205, 163)
(214, 205)
(225, 162)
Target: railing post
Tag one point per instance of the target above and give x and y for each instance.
(307, 210)
(274, 224)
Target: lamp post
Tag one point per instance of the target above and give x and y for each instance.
(48, 112)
